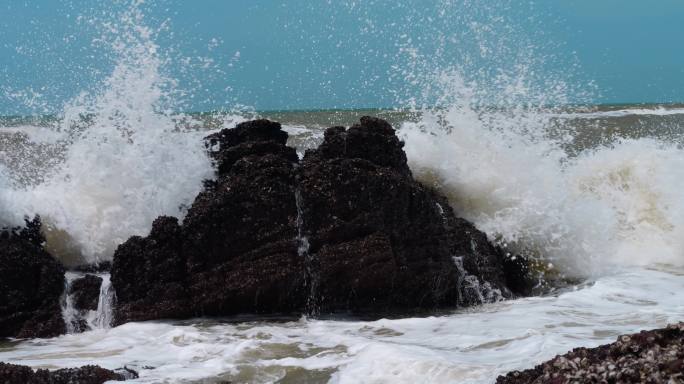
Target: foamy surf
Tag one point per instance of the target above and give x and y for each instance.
(490, 132)
(660, 111)
(123, 157)
(473, 346)
(617, 204)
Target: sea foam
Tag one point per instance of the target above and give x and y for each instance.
(125, 157)
(618, 203)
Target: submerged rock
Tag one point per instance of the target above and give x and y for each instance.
(31, 285)
(346, 229)
(655, 356)
(89, 374)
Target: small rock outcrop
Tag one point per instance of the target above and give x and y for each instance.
(345, 229)
(85, 292)
(235, 252)
(31, 285)
(89, 374)
(380, 242)
(651, 357)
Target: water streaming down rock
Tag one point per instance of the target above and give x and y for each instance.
(471, 290)
(302, 239)
(312, 279)
(102, 317)
(72, 317)
(87, 302)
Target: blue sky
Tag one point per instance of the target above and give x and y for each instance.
(632, 49)
(271, 54)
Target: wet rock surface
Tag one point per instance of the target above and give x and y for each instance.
(90, 374)
(380, 242)
(655, 356)
(31, 285)
(235, 252)
(85, 292)
(346, 229)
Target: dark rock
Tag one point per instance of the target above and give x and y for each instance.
(380, 241)
(236, 250)
(348, 229)
(100, 267)
(85, 292)
(655, 356)
(31, 285)
(256, 138)
(149, 275)
(518, 274)
(239, 238)
(373, 140)
(126, 373)
(89, 374)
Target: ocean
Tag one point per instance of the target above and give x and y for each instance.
(602, 206)
(591, 192)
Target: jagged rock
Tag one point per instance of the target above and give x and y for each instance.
(236, 250)
(346, 229)
(89, 374)
(240, 235)
(31, 285)
(379, 240)
(149, 275)
(655, 356)
(85, 292)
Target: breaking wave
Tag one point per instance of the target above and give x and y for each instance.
(120, 154)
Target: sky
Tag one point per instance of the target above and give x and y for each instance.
(278, 55)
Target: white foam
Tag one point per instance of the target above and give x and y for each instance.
(70, 314)
(616, 204)
(303, 137)
(620, 113)
(131, 163)
(36, 134)
(102, 317)
(473, 346)
(79, 320)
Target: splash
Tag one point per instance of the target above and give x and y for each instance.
(617, 204)
(125, 157)
(496, 139)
